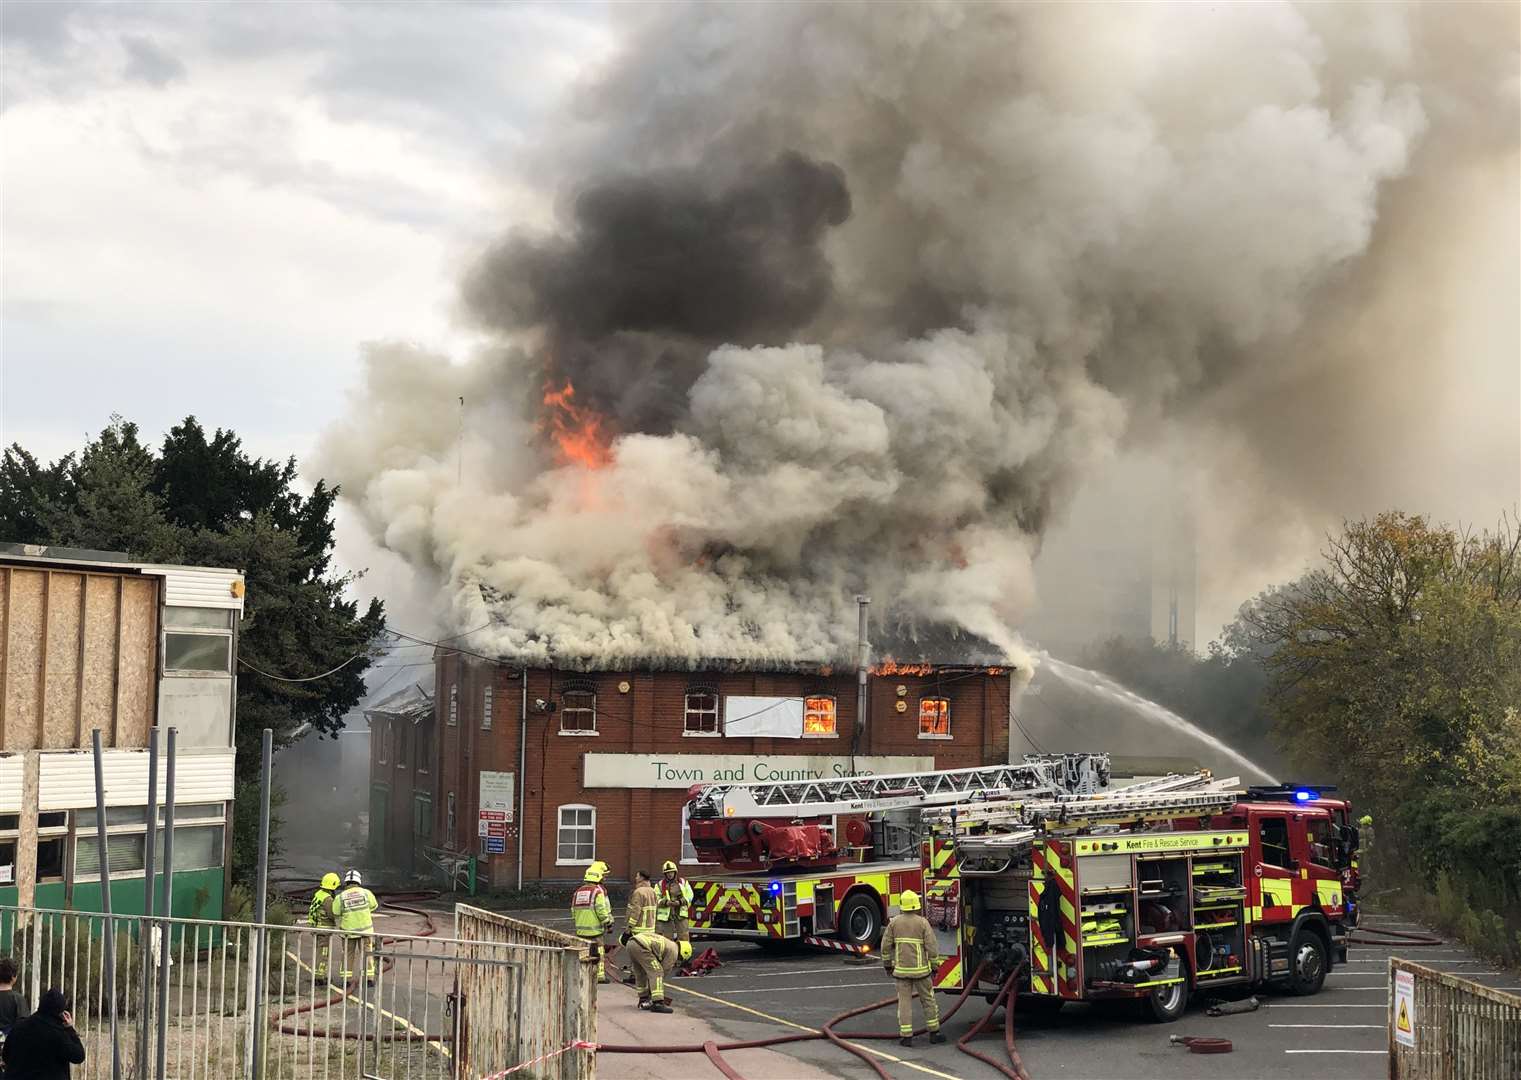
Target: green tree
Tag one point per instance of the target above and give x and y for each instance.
(205, 501)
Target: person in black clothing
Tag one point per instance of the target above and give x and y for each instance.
(44, 1045)
(12, 1003)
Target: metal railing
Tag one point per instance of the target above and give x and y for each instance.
(1461, 1030)
(391, 1007)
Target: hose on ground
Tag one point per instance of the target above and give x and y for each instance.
(1005, 998)
(1362, 936)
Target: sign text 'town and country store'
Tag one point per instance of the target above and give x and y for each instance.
(684, 770)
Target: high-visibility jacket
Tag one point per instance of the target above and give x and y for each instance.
(351, 909)
(320, 911)
(642, 910)
(591, 910)
(908, 944)
(675, 896)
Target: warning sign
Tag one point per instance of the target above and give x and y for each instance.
(1404, 1008)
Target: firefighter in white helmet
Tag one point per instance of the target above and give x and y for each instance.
(353, 910)
(592, 914)
(673, 912)
(910, 957)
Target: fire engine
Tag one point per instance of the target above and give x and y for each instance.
(1149, 892)
(792, 874)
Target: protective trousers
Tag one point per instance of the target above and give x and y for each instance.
(907, 988)
(356, 946)
(677, 929)
(597, 949)
(649, 972)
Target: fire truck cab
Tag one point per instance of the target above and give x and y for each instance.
(1150, 910)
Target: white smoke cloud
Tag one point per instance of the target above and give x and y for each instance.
(1066, 223)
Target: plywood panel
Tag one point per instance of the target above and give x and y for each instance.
(61, 693)
(23, 660)
(136, 691)
(100, 657)
(5, 582)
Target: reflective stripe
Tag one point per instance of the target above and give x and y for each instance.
(911, 964)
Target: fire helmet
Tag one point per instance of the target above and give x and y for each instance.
(668, 868)
(684, 950)
(909, 901)
(330, 881)
(353, 878)
(596, 871)
(1366, 821)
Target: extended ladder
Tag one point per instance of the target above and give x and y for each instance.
(1042, 776)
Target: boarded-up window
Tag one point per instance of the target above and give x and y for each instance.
(934, 718)
(818, 717)
(701, 712)
(486, 704)
(453, 705)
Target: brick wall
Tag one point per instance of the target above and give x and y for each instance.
(643, 713)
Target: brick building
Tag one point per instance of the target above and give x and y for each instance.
(606, 758)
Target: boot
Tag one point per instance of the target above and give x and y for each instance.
(907, 1040)
(603, 979)
(646, 1004)
(662, 1006)
(936, 1037)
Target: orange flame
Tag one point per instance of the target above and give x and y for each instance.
(890, 666)
(580, 435)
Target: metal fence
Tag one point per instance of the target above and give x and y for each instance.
(247, 1002)
(553, 1017)
(1461, 1030)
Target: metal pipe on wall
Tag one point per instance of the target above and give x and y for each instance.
(261, 894)
(149, 852)
(863, 668)
(522, 764)
(108, 945)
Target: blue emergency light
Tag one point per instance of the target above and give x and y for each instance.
(776, 886)
(1304, 795)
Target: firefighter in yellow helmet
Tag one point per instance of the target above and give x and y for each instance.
(673, 912)
(655, 956)
(319, 914)
(353, 910)
(592, 913)
(909, 956)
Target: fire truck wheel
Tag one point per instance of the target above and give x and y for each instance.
(1165, 1003)
(1307, 962)
(860, 921)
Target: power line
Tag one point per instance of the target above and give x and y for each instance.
(309, 678)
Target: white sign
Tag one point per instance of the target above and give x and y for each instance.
(763, 717)
(684, 770)
(1404, 1008)
(7, 873)
(496, 792)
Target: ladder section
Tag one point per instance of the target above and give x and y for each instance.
(1036, 777)
(1192, 794)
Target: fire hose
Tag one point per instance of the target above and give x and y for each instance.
(714, 1051)
(1361, 936)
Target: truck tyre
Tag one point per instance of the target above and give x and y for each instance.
(859, 921)
(1307, 962)
(1164, 1004)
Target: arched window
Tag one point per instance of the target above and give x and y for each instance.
(578, 711)
(701, 711)
(934, 718)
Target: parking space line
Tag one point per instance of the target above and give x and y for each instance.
(804, 1027)
(1384, 1052)
(832, 986)
(1321, 1005)
(1337, 1027)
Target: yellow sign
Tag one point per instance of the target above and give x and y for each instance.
(1147, 842)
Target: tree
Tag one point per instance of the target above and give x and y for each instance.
(207, 502)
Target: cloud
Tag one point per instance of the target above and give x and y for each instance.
(148, 63)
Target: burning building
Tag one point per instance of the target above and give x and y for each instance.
(539, 770)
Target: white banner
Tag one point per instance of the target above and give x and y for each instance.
(684, 770)
(763, 717)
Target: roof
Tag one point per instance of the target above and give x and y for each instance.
(411, 702)
(184, 586)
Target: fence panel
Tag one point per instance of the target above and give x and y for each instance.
(551, 1012)
(1462, 1030)
(381, 1007)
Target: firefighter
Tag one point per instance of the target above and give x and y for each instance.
(643, 906)
(674, 911)
(353, 908)
(654, 957)
(592, 913)
(910, 957)
(319, 914)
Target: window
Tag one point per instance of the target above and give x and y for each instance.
(387, 733)
(818, 718)
(124, 854)
(7, 862)
(578, 712)
(197, 618)
(451, 817)
(578, 836)
(422, 815)
(453, 705)
(401, 744)
(199, 848)
(688, 852)
(197, 653)
(1274, 835)
(50, 859)
(701, 712)
(934, 718)
(1324, 843)
(486, 704)
(422, 735)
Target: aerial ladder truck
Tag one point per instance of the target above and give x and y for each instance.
(824, 861)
